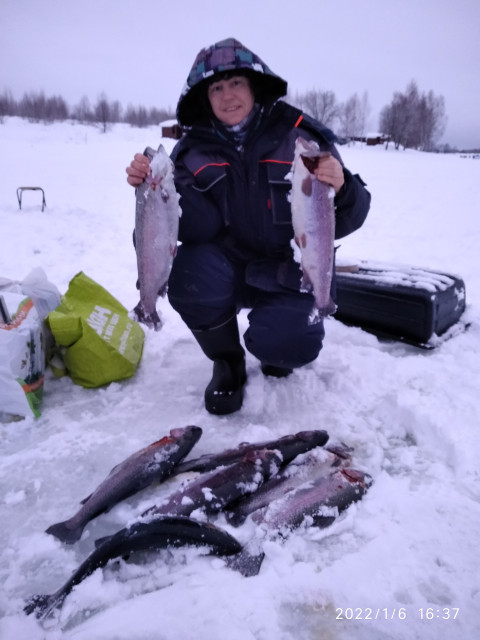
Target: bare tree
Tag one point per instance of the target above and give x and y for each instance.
(353, 116)
(83, 111)
(414, 120)
(431, 120)
(33, 106)
(321, 105)
(102, 112)
(8, 106)
(155, 116)
(56, 109)
(37, 107)
(136, 116)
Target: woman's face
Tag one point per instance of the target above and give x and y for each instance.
(231, 99)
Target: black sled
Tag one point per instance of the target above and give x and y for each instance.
(411, 304)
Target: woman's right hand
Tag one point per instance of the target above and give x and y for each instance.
(138, 170)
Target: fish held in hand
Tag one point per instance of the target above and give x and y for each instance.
(157, 214)
(313, 218)
(151, 464)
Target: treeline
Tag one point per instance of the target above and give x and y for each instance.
(413, 119)
(37, 107)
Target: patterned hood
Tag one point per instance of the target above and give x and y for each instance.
(223, 57)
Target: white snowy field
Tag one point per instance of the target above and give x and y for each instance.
(401, 564)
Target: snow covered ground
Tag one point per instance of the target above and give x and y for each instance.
(403, 562)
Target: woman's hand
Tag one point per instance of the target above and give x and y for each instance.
(330, 170)
(138, 169)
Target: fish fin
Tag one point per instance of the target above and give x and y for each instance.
(87, 498)
(246, 562)
(99, 541)
(63, 532)
(42, 605)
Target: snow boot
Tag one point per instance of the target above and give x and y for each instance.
(274, 371)
(224, 393)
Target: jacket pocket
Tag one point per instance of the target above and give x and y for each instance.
(280, 188)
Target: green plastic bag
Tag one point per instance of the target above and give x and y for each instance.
(100, 343)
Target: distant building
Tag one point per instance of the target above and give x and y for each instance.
(171, 129)
(371, 139)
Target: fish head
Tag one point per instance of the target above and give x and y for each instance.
(191, 432)
(161, 166)
(354, 476)
(309, 152)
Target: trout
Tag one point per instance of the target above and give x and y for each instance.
(153, 463)
(305, 468)
(213, 491)
(157, 215)
(288, 446)
(161, 533)
(319, 501)
(316, 503)
(313, 219)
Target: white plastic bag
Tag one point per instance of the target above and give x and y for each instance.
(22, 358)
(44, 294)
(23, 337)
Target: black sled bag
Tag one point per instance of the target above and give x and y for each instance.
(415, 305)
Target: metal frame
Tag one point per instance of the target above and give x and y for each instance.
(20, 191)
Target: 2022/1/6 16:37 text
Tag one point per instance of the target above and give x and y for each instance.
(367, 613)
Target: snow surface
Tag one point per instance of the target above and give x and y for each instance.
(412, 416)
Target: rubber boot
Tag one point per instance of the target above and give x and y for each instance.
(224, 393)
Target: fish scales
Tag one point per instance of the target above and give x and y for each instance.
(157, 214)
(322, 499)
(213, 491)
(151, 464)
(313, 218)
(305, 468)
(289, 447)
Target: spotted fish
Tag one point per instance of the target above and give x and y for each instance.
(157, 214)
(313, 218)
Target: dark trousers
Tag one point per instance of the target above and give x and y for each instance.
(206, 289)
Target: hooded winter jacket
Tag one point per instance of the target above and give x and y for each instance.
(238, 199)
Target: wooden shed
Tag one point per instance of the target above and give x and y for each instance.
(171, 129)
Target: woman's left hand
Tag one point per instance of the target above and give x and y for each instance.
(330, 170)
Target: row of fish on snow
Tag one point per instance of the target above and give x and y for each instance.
(281, 485)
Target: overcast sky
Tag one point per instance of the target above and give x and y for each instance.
(141, 52)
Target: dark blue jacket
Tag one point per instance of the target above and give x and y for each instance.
(240, 200)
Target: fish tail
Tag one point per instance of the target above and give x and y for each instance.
(151, 320)
(317, 314)
(64, 532)
(41, 605)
